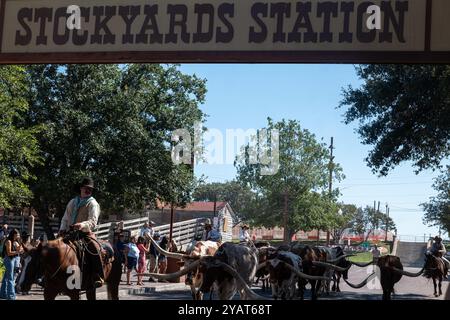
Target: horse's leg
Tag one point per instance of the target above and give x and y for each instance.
(113, 291)
(74, 294)
(338, 280)
(50, 295)
(90, 294)
(435, 286)
(440, 285)
(314, 290)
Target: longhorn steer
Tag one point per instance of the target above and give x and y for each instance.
(230, 270)
(195, 251)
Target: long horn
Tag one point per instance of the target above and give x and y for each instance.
(174, 275)
(304, 275)
(362, 284)
(169, 254)
(408, 274)
(250, 293)
(361, 265)
(331, 266)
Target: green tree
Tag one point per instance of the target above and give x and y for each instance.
(367, 220)
(344, 220)
(437, 210)
(19, 149)
(301, 181)
(113, 123)
(403, 111)
(239, 196)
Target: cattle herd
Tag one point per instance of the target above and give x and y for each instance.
(228, 269)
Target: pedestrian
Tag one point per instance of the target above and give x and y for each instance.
(132, 256)
(147, 230)
(11, 252)
(120, 246)
(3, 231)
(154, 255)
(143, 250)
(162, 259)
(211, 234)
(244, 236)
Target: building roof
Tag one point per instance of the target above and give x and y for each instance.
(202, 206)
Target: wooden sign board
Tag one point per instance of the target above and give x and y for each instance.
(118, 31)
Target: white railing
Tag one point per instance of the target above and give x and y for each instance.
(183, 232)
(424, 238)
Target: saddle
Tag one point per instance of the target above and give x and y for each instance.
(79, 241)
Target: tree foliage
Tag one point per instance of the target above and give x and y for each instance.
(437, 210)
(302, 180)
(344, 220)
(19, 149)
(367, 220)
(403, 111)
(113, 123)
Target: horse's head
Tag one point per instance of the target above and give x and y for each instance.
(31, 268)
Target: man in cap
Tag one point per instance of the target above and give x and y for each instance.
(82, 214)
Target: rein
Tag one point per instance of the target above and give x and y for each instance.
(62, 262)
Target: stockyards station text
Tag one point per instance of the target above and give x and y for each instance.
(215, 311)
(166, 25)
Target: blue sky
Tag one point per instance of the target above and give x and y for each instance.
(244, 95)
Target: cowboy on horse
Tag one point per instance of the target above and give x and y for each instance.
(81, 215)
(437, 249)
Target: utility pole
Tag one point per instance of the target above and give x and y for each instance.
(215, 203)
(387, 223)
(330, 181)
(171, 223)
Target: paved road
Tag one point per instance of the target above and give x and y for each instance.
(408, 288)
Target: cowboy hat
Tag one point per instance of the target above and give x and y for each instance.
(208, 222)
(152, 223)
(245, 226)
(87, 182)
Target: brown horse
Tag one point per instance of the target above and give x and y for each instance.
(58, 263)
(436, 269)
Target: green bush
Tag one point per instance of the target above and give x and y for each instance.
(2, 269)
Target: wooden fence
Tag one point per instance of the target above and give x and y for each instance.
(183, 232)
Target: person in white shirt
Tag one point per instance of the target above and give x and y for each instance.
(147, 230)
(81, 215)
(244, 236)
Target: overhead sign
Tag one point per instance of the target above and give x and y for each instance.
(35, 31)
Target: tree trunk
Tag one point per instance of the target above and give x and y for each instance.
(290, 234)
(368, 235)
(41, 208)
